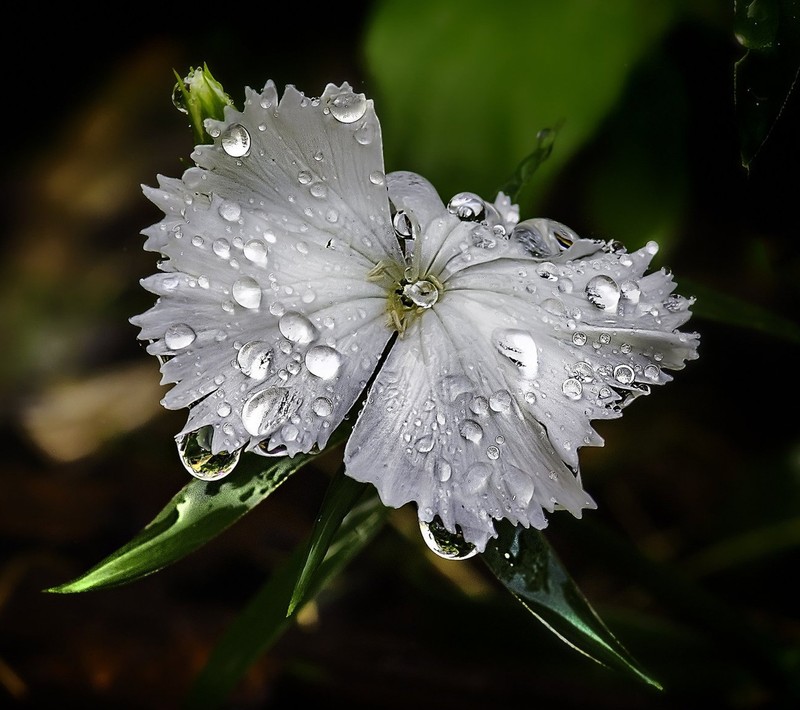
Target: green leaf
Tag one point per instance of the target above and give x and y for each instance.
(342, 495)
(524, 562)
(502, 71)
(198, 513)
(264, 618)
(724, 308)
(767, 74)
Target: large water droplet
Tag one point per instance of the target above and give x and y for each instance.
(348, 107)
(297, 328)
(572, 388)
(254, 359)
(323, 361)
(322, 407)
(520, 348)
(467, 206)
(246, 292)
(236, 141)
(471, 430)
(603, 292)
(422, 293)
(543, 238)
(451, 546)
(196, 456)
(222, 248)
(624, 374)
(265, 411)
(500, 401)
(256, 251)
(179, 336)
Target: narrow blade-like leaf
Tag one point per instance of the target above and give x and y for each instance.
(198, 513)
(342, 495)
(524, 562)
(264, 619)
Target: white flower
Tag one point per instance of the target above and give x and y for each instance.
(295, 272)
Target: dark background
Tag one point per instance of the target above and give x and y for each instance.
(689, 557)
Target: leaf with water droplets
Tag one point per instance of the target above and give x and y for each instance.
(264, 619)
(197, 514)
(527, 565)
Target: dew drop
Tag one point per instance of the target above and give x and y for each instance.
(376, 177)
(247, 292)
(322, 407)
(265, 411)
(624, 374)
(195, 454)
(425, 444)
(323, 361)
(471, 430)
(254, 359)
(467, 206)
(443, 471)
(318, 189)
(256, 251)
(297, 328)
(236, 141)
(365, 134)
(422, 293)
(520, 348)
(579, 338)
(493, 452)
(222, 248)
(230, 211)
(304, 177)
(500, 401)
(179, 336)
(603, 292)
(348, 107)
(572, 388)
(479, 405)
(652, 372)
(450, 546)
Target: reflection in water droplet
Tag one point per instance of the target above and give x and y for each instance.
(624, 374)
(451, 546)
(254, 359)
(572, 388)
(196, 456)
(652, 372)
(179, 336)
(422, 294)
(323, 361)
(297, 328)
(230, 211)
(266, 410)
(246, 292)
(402, 225)
(348, 107)
(603, 292)
(236, 141)
(493, 452)
(579, 338)
(467, 206)
(520, 348)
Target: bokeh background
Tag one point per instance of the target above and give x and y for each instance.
(690, 557)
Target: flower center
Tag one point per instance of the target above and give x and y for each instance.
(420, 294)
(409, 293)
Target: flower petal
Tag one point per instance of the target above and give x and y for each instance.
(266, 318)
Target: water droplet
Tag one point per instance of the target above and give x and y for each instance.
(230, 211)
(624, 374)
(493, 452)
(376, 177)
(297, 328)
(479, 405)
(323, 361)
(265, 411)
(318, 189)
(422, 293)
(322, 407)
(500, 401)
(236, 141)
(256, 251)
(471, 431)
(630, 292)
(365, 134)
(197, 241)
(348, 107)
(547, 270)
(224, 409)
(319, 156)
(543, 238)
(451, 546)
(425, 444)
(579, 338)
(467, 206)
(603, 292)
(254, 359)
(247, 292)
(222, 248)
(583, 371)
(179, 336)
(572, 388)
(482, 237)
(304, 177)
(443, 471)
(195, 453)
(402, 225)
(652, 372)
(520, 348)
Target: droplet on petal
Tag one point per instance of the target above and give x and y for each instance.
(254, 359)
(348, 107)
(265, 411)
(236, 141)
(297, 328)
(323, 361)
(603, 292)
(520, 348)
(451, 546)
(179, 336)
(247, 292)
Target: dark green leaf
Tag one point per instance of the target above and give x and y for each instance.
(502, 71)
(342, 495)
(198, 513)
(767, 74)
(263, 620)
(723, 308)
(524, 562)
(545, 139)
